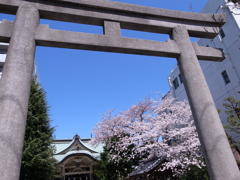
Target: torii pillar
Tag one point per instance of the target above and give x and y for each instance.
(15, 89)
(220, 160)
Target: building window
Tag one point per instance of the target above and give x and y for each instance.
(225, 77)
(3, 51)
(175, 83)
(180, 78)
(222, 34)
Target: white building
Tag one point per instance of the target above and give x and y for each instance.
(3, 52)
(223, 78)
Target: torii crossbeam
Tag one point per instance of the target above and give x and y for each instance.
(25, 33)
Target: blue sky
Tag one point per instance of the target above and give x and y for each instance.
(82, 85)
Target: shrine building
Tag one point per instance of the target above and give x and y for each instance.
(76, 158)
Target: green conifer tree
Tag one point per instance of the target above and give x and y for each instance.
(108, 169)
(37, 160)
(232, 109)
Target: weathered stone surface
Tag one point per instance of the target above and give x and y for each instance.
(110, 42)
(77, 40)
(112, 29)
(130, 8)
(14, 91)
(6, 29)
(130, 16)
(220, 160)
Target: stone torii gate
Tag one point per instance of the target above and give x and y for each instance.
(26, 33)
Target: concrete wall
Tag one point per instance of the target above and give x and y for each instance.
(213, 70)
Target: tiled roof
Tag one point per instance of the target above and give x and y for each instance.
(63, 148)
(145, 167)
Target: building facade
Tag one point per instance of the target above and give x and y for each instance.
(76, 158)
(3, 53)
(223, 78)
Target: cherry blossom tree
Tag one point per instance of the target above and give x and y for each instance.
(155, 128)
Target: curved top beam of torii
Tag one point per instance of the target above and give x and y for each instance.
(130, 16)
(143, 10)
(114, 16)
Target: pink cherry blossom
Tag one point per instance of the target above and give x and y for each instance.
(162, 128)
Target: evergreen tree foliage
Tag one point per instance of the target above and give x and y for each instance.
(108, 169)
(37, 159)
(232, 109)
(196, 173)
